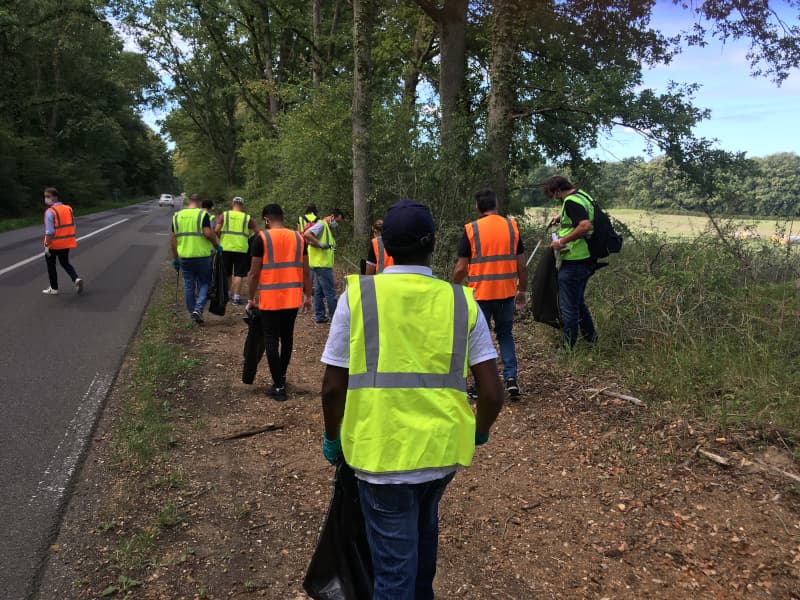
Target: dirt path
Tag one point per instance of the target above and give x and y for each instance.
(577, 495)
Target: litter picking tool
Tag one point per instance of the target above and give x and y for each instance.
(530, 258)
(177, 282)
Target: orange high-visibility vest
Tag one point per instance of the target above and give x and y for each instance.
(64, 235)
(382, 259)
(493, 264)
(280, 284)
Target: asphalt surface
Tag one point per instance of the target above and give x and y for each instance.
(58, 358)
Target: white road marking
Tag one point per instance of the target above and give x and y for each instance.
(38, 256)
(62, 465)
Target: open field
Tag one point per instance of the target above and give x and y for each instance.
(691, 225)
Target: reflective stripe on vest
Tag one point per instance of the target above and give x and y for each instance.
(235, 231)
(406, 404)
(187, 224)
(317, 257)
(453, 379)
(382, 259)
(280, 283)
(578, 249)
(64, 228)
(493, 264)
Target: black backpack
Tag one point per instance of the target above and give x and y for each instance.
(604, 240)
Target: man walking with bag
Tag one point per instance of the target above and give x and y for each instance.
(491, 254)
(278, 285)
(192, 243)
(394, 398)
(234, 227)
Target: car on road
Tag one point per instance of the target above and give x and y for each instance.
(166, 200)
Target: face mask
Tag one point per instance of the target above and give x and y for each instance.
(49, 201)
(334, 225)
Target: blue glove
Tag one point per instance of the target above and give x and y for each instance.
(331, 449)
(219, 248)
(176, 264)
(481, 438)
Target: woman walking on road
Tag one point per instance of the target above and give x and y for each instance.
(59, 237)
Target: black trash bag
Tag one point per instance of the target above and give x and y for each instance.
(544, 292)
(341, 567)
(253, 346)
(218, 290)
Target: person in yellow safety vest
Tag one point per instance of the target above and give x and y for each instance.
(278, 285)
(234, 227)
(59, 238)
(308, 217)
(322, 245)
(192, 242)
(577, 265)
(394, 398)
(491, 254)
(377, 257)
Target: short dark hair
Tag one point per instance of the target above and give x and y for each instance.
(51, 191)
(311, 208)
(486, 200)
(337, 212)
(416, 255)
(273, 210)
(208, 204)
(556, 184)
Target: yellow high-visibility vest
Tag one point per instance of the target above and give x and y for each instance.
(407, 405)
(317, 257)
(235, 231)
(187, 224)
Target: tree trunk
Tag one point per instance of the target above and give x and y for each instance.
(500, 128)
(452, 69)
(269, 73)
(362, 32)
(316, 24)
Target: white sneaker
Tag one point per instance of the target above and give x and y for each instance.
(50, 292)
(79, 285)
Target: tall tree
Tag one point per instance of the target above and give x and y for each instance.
(363, 18)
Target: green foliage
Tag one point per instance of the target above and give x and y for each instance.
(69, 110)
(704, 326)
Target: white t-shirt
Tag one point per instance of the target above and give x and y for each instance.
(337, 354)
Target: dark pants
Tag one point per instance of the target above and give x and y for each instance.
(572, 280)
(502, 313)
(402, 523)
(63, 259)
(278, 328)
(324, 292)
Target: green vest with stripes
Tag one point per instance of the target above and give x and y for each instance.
(406, 405)
(578, 249)
(317, 257)
(187, 224)
(235, 231)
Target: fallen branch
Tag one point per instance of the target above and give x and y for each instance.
(786, 474)
(247, 433)
(607, 392)
(720, 460)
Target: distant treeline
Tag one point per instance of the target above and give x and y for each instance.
(69, 109)
(768, 186)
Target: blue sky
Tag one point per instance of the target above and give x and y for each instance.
(748, 114)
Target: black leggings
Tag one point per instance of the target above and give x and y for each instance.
(63, 259)
(278, 329)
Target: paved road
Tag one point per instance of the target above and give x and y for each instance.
(58, 357)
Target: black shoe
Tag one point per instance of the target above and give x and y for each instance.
(322, 320)
(472, 393)
(512, 388)
(279, 393)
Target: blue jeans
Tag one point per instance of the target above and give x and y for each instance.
(402, 523)
(196, 279)
(572, 279)
(325, 287)
(502, 311)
